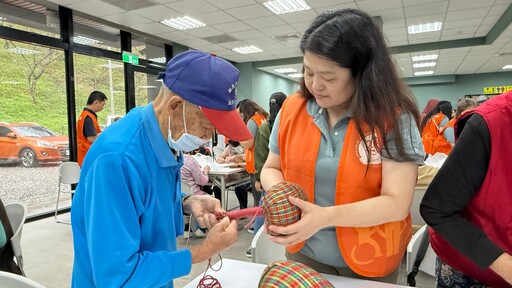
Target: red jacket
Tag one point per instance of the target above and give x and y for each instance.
(490, 209)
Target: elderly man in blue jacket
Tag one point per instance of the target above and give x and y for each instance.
(128, 207)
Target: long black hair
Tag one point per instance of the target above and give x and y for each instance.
(352, 40)
(274, 104)
(444, 107)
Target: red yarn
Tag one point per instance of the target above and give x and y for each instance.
(208, 281)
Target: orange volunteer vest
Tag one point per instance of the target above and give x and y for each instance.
(430, 132)
(369, 251)
(441, 144)
(249, 152)
(82, 144)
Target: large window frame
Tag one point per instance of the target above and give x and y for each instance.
(66, 44)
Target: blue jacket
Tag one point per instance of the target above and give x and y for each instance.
(126, 213)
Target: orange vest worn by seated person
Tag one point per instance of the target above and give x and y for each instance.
(441, 144)
(83, 144)
(249, 152)
(430, 132)
(369, 251)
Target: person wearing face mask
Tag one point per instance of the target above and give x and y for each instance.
(128, 207)
(350, 139)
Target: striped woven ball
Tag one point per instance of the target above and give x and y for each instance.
(292, 274)
(278, 210)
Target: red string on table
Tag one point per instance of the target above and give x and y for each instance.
(208, 281)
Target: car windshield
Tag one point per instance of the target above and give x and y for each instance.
(34, 131)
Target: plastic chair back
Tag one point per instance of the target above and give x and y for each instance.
(12, 280)
(17, 213)
(265, 251)
(429, 261)
(69, 173)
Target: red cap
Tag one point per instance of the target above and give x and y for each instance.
(228, 123)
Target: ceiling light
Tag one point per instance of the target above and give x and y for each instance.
(112, 65)
(286, 6)
(158, 59)
(285, 70)
(85, 40)
(183, 23)
(295, 75)
(507, 66)
(424, 57)
(424, 64)
(247, 49)
(424, 73)
(424, 28)
(147, 86)
(23, 51)
(2, 19)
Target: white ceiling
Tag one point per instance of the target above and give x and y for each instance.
(252, 24)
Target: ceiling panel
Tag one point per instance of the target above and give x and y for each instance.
(253, 24)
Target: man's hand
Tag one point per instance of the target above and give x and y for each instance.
(203, 208)
(220, 237)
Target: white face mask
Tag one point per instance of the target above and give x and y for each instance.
(187, 142)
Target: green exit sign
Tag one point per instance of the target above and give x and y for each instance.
(130, 58)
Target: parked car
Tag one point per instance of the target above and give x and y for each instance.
(31, 144)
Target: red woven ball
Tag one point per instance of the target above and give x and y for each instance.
(278, 209)
(292, 274)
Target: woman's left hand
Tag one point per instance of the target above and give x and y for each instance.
(310, 222)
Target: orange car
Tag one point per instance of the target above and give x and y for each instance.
(30, 144)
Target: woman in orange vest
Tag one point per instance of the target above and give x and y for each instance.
(87, 126)
(350, 139)
(446, 138)
(253, 115)
(432, 124)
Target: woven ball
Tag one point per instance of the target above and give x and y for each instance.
(278, 210)
(291, 274)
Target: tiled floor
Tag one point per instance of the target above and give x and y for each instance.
(48, 253)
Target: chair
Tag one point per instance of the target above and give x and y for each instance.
(69, 173)
(11, 280)
(185, 188)
(17, 213)
(429, 261)
(265, 251)
(217, 151)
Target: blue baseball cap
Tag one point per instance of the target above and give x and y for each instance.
(210, 83)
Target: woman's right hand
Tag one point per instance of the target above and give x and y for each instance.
(219, 160)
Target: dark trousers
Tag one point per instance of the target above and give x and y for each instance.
(242, 191)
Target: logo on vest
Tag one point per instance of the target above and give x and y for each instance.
(362, 153)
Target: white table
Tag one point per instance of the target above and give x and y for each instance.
(228, 177)
(235, 274)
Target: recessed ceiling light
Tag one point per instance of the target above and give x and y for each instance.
(183, 23)
(507, 66)
(147, 86)
(285, 70)
(85, 40)
(112, 65)
(24, 51)
(424, 57)
(286, 6)
(158, 59)
(247, 49)
(295, 75)
(423, 73)
(424, 64)
(424, 28)
(11, 82)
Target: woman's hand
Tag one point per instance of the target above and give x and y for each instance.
(220, 160)
(312, 219)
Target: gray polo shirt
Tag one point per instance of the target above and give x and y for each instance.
(323, 246)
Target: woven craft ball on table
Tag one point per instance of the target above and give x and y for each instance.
(278, 210)
(292, 274)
